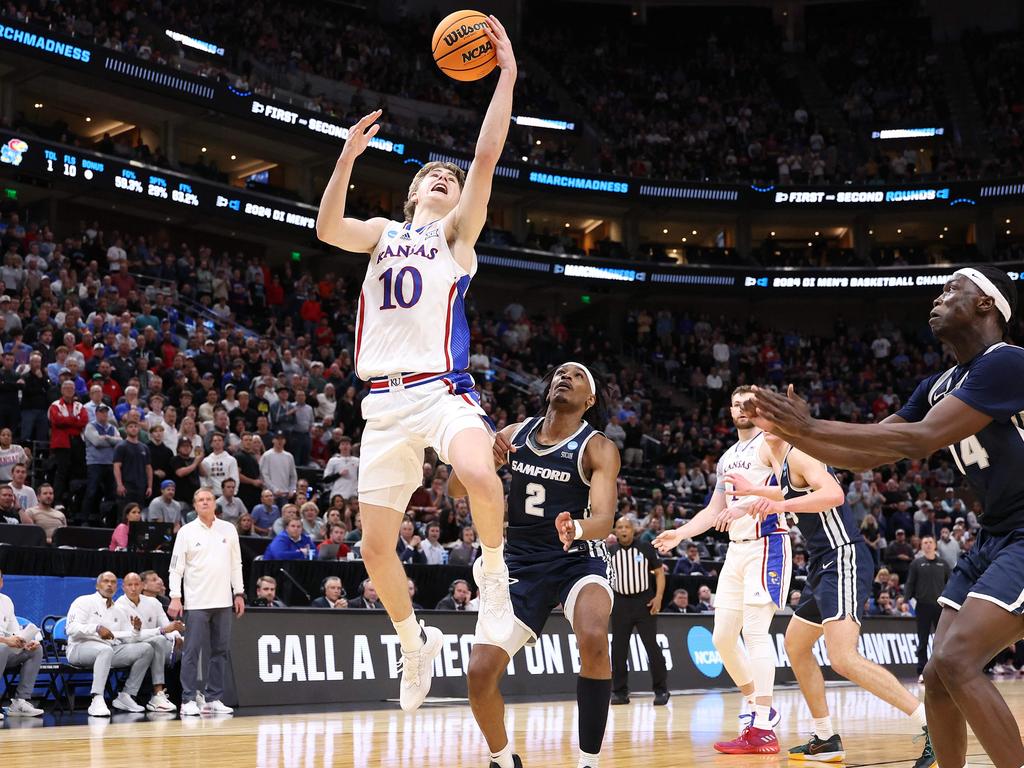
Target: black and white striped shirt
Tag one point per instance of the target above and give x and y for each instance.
(632, 567)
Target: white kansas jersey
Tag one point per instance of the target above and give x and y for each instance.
(412, 316)
(744, 459)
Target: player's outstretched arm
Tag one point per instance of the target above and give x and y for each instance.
(465, 223)
(502, 449)
(743, 487)
(864, 446)
(331, 225)
(707, 518)
(825, 494)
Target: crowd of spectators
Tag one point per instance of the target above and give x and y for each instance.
(725, 108)
(996, 65)
(136, 369)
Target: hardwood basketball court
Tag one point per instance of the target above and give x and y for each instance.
(444, 734)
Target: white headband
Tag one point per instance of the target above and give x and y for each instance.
(586, 371)
(988, 288)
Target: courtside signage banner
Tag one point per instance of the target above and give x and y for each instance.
(303, 656)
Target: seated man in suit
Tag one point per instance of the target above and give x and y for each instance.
(332, 594)
(17, 652)
(367, 597)
(691, 564)
(102, 636)
(266, 594)
(458, 597)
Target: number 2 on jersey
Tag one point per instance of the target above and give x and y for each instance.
(399, 287)
(535, 496)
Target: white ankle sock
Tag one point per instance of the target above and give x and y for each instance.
(918, 716)
(409, 633)
(823, 728)
(588, 760)
(494, 557)
(762, 717)
(504, 757)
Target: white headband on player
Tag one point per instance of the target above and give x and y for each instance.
(586, 372)
(988, 288)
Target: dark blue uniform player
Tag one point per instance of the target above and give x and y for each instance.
(975, 410)
(561, 505)
(840, 571)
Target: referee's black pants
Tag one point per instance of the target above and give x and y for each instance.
(927, 620)
(629, 612)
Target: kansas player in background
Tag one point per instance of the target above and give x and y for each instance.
(412, 345)
(840, 572)
(974, 408)
(754, 581)
(561, 505)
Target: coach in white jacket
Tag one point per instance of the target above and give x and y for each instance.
(101, 636)
(206, 569)
(157, 630)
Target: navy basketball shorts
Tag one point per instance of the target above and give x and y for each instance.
(992, 570)
(837, 585)
(540, 584)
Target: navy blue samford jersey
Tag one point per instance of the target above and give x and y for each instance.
(546, 481)
(993, 383)
(825, 531)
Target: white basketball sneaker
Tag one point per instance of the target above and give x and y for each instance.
(418, 669)
(495, 622)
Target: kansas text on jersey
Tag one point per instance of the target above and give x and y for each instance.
(412, 316)
(992, 383)
(744, 459)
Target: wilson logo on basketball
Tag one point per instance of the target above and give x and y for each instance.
(466, 29)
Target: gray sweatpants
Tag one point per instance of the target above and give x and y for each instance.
(102, 657)
(205, 654)
(162, 646)
(29, 662)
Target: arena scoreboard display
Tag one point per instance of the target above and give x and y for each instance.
(86, 171)
(303, 125)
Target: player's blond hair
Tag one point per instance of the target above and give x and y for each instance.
(410, 205)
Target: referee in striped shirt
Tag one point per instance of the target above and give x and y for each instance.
(637, 603)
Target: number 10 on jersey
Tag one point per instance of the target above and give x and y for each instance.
(397, 292)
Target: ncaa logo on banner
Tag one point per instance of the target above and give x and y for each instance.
(702, 651)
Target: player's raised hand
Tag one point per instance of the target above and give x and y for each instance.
(566, 528)
(764, 507)
(666, 541)
(783, 416)
(740, 485)
(724, 518)
(359, 135)
(502, 448)
(502, 45)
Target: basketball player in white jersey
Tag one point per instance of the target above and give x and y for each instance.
(412, 345)
(754, 581)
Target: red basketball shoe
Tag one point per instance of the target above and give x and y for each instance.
(753, 741)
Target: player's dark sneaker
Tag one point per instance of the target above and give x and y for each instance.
(927, 758)
(828, 751)
(753, 741)
(516, 762)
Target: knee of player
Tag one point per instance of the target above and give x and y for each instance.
(478, 477)
(483, 674)
(724, 637)
(593, 644)
(843, 660)
(952, 662)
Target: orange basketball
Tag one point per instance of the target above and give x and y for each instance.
(460, 47)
